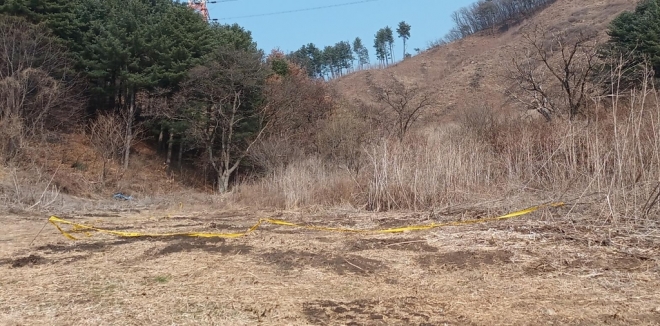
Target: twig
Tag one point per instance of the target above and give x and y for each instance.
(591, 275)
(46, 188)
(652, 200)
(356, 266)
(35, 237)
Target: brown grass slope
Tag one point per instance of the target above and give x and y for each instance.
(471, 72)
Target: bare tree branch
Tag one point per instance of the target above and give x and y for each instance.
(553, 73)
(405, 102)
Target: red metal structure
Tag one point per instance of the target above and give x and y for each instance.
(200, 6)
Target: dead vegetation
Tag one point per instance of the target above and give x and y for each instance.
(106, 134)
(554, 70)
(611, 158)
(35, 91)
(535, 269)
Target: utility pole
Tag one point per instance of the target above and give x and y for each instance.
(200, 7)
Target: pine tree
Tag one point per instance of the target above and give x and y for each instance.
(344, 56)
(363, 57)
(357, 48)
(404, 32)
(636, 34)
(380, 44)
(389, 39)
(309, 57)
(361, 52)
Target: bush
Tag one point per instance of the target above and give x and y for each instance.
(35, 89)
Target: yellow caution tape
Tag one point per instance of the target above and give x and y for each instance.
(80, 228)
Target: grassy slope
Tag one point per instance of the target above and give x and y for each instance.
(484, 58)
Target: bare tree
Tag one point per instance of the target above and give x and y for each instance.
(36, 88)
(302, 104)
(553, 72)
(106, 134)
(342, 138)
(225, 113)
(402, 103)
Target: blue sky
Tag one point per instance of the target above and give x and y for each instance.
(429, 20)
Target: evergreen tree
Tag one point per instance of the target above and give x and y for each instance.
(58, 15)
(344, 56)
(330, 61)
(380, 44)
(404, 32)
(357, 47)
(224, 97)
(309, 57)
(363, 57)
(638, 33)
(389, 39)
(361, 52)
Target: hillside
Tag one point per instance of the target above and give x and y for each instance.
(470, 72)
(254, 195)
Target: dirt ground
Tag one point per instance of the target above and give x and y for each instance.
(525, 271)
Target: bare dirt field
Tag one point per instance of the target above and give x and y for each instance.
(536, 269)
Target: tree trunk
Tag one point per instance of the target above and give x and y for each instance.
(223, 181)
(404, 48)
(180, 153)
(129, 130)
(170, 143)
(160, 137)
(104, 172)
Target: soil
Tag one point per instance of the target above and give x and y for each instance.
(339, 264)
(394, 311)
(465, 259)
(209, 246)
(409, 244)
(19, 262)
(517, 272)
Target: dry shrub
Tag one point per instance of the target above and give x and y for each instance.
(106, 135)
(36, 93)
(304, 183)
(552, 72)
(273, 153)
(342, 138)
(614, 158)
(296, 106)
(27, 190)
(425, 171)
(431, 170)
(399, 104)
(11, 131)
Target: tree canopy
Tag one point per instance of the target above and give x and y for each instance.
(330, 62)
(404, 32)
(137, 57)
(489, 14)
(637, 34)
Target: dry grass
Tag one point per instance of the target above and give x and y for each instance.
(610, 162)
(470, 72)
(65, 172)
(532, 270)
(302, 184)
